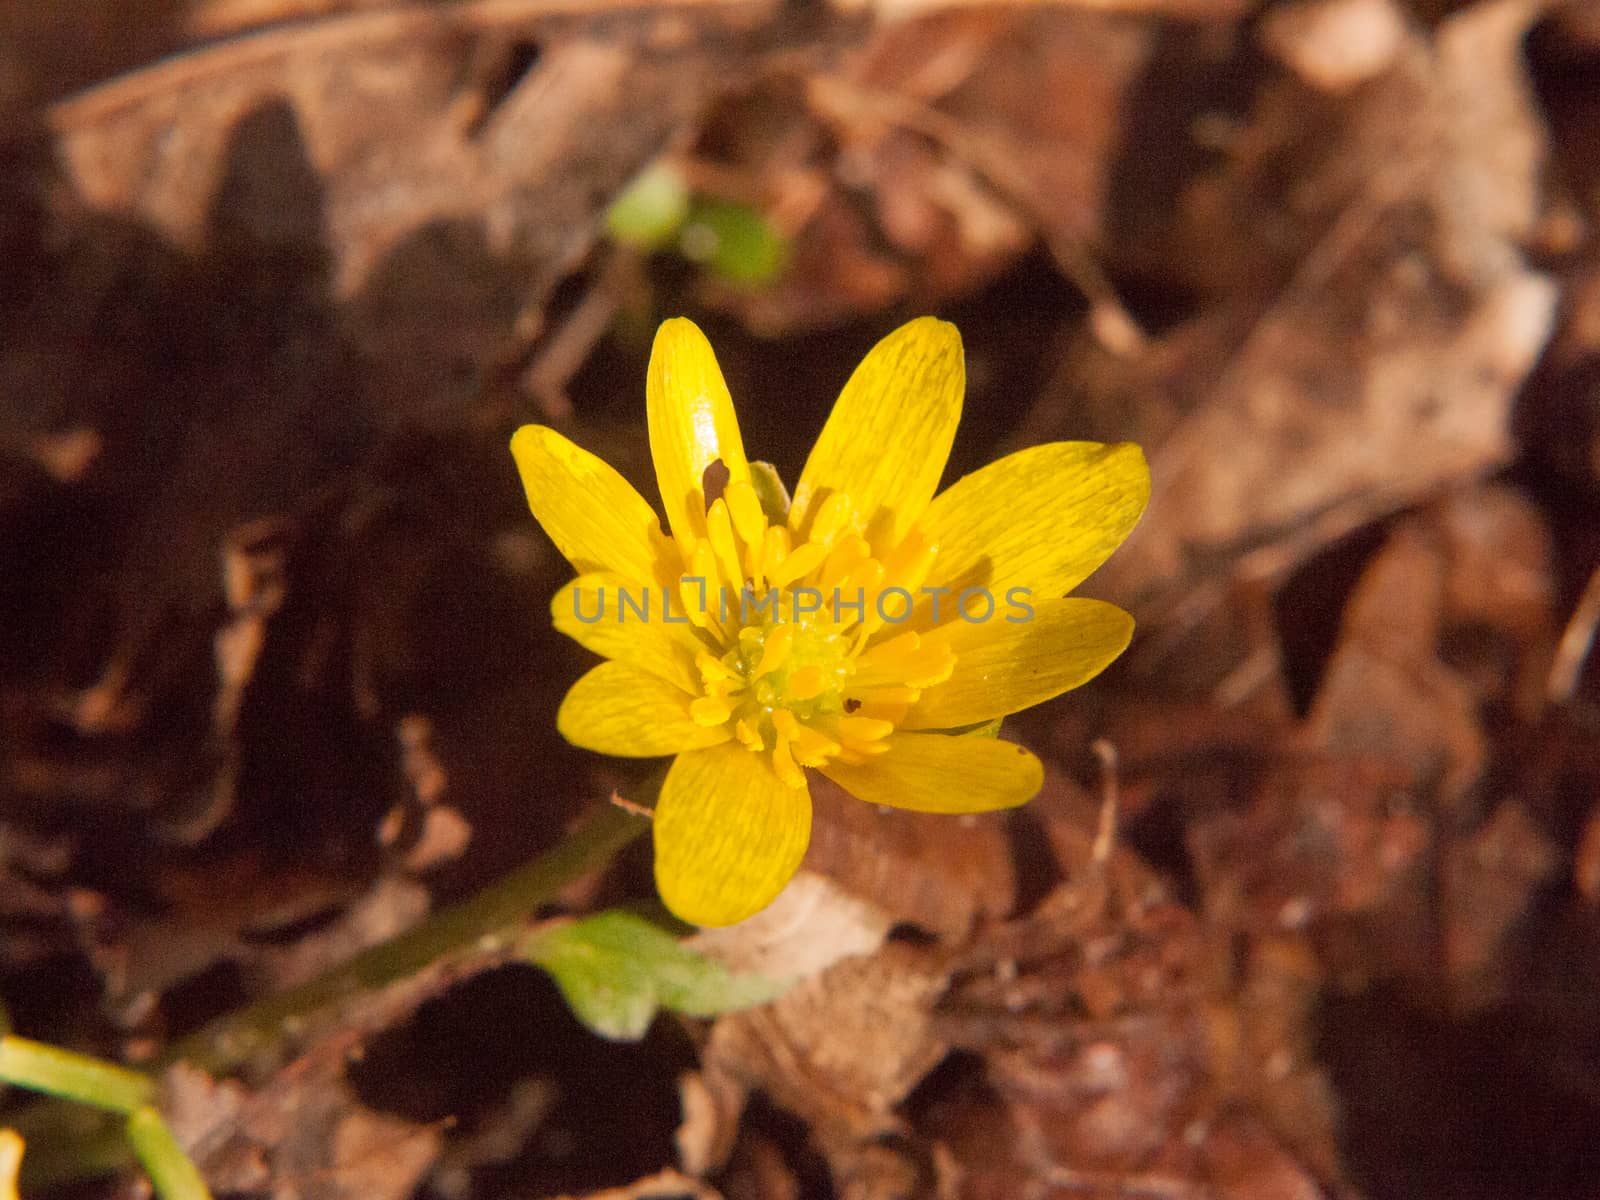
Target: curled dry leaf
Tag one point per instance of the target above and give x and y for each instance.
(840, 1050)
(1400, 321)
(398, 140)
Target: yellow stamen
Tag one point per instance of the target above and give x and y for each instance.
(806, 683)
(775, 651)
(813, 749)
(743, 506)
(783, 763)
(805, 687)
(719, 531)
(864, 729)
(801, 561)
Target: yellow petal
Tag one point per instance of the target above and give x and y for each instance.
(942, 773)
(10, 1162)
(1003, 667)
(729, 835)
(619, 709)
(621, 619)
(1042, 518)
(590, 512)
(887, 440)
(692, 423)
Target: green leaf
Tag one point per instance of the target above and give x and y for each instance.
(617, 969)
(651, 209)
(733, 240)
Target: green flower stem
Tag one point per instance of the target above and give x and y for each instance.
(485, 928)
(42, 1068)
(67, 1143)
(172, 1173)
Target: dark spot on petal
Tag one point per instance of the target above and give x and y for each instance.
(713, 481)
(851, 704)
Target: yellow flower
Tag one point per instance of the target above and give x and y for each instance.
(849, 634)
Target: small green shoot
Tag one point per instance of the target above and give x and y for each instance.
(617, 969)
(648, 213)
(658, 211)
(733, 240)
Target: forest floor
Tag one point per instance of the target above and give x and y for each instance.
(1310, 903)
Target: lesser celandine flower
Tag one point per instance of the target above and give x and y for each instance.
(855, 633)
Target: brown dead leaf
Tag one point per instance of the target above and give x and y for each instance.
(1491, 881)
(301, 1136)
(1264, 1040)
(1119, 1056)
(663, 1185)
(400, 131)
(899, 10)
(1242, 1161)
(1586, 862)
(840, 1050)
(1383, 366)
(947, 125)
(1385, 695)
(942, 873)
(1564, 428)
(1456, 611)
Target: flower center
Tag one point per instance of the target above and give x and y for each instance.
(800, 659)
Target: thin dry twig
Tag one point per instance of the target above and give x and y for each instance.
(1577, 640)
(1105, 837)
(618, 800)
(567, 349)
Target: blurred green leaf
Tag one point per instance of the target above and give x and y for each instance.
(172, 1173)
(651, 209)
(617, 969)
(733, 240)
